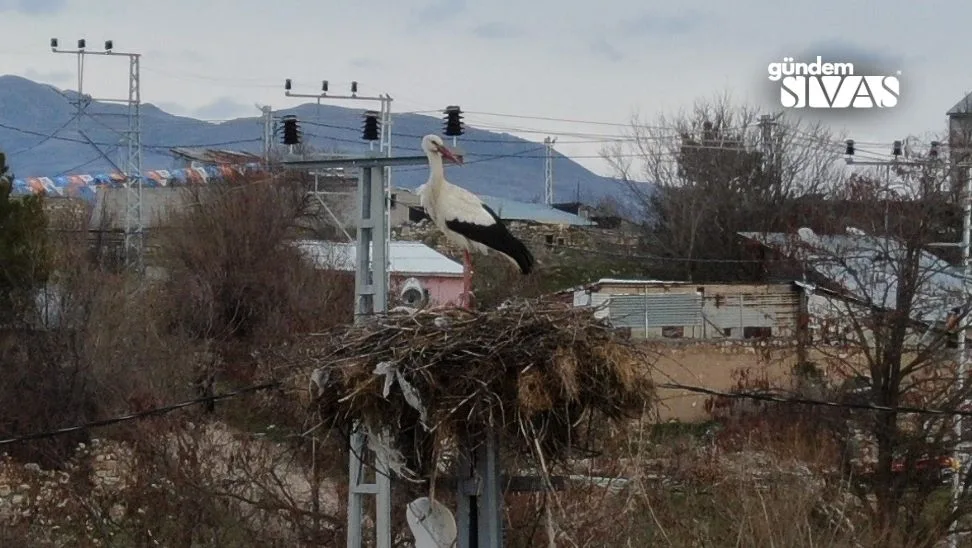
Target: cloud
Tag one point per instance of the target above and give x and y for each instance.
(661, 25)
(365, 63)
(33, 7)
(439, 10)
(664, 25)
(601, 48)
(866, 60)
(180, 55)
(223, 108)
(53, 77)
(496, 30)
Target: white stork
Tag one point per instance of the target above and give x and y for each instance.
(464, 218)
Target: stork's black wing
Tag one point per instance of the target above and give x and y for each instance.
(495, 236)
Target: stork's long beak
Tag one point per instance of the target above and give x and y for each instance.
(449, 155)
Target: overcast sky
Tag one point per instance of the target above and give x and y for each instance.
(585, 61)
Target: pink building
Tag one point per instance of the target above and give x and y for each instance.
(420, 275)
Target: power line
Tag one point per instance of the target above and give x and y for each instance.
(795, 400)
(758, 396)
(549, 119)
(86, 163)
(156, 411)
(802, 138)
(158, 146)
(48, 137)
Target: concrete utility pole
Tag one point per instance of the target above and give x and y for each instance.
(371, 283)
(134, 230)
(267, 117)
(548, 191)
(371, 297)
(479, 517)
(963, 362)
(963, 355)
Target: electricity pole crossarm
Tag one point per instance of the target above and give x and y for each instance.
(384, 137)
(344, 97)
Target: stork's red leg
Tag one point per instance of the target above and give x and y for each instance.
(467, 272)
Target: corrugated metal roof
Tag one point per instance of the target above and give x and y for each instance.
(512, 210)
(866, 266)
(409, 258)
(215, 156)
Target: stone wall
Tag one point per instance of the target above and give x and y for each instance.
(540, 238)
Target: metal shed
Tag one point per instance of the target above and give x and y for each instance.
(653, 308)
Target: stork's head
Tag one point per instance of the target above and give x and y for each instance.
(433, 146)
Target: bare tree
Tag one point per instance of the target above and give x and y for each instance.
(233, 272)
(884, 314)
(717, 170)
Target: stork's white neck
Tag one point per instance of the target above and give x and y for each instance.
(436, 170)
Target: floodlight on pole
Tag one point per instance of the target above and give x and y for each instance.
(132, 165)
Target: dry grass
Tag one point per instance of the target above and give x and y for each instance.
(194, 485)
(686, 491)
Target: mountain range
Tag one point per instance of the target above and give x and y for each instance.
(41, 136)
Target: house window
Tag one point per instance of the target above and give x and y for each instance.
(726, 331)
(560, 241)
(757, 332)
(549, 239)
(673, 332)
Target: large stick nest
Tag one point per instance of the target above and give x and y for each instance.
(532, 371)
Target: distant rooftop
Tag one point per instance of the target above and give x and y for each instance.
(406, 258)
(962, 107)
(215, 156)
(866, 267)
(511, 210)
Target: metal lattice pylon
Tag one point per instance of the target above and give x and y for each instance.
(134, 229)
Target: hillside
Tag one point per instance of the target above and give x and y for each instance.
(30, 113)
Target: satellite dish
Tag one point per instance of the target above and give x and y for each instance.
(413, 293)
(807, 235)
(432, 524)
